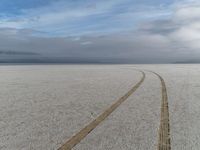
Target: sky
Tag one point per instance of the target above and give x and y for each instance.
(100, 31)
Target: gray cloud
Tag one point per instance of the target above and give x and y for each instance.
(10, 52)
(124, 47)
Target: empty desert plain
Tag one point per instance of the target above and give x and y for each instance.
(100, 107)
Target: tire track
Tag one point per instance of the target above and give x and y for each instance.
(74, 140)
(164, 130)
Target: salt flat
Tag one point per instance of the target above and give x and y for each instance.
(134, 125)
(183, 86)
(42, 106)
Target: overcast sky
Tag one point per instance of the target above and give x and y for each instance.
(135, 31)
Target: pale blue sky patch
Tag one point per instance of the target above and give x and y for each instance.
(65, 18)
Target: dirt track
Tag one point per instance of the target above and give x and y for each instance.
(86, 130)
(164, 130)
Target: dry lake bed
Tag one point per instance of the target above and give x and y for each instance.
(100, 107)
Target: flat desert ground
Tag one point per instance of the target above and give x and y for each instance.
(43, 106)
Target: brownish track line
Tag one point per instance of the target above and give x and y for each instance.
(88, 128)
(164, 130)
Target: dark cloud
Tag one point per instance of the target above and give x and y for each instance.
(111, 48)
(159, 27)
(10, 52)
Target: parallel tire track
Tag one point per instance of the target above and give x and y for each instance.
(164, 130)
(88, 128)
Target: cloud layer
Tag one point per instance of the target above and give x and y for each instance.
(105, 31)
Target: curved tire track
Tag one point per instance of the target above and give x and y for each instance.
(164, 130)
(88, 128)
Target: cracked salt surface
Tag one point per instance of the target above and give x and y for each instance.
(42, 106)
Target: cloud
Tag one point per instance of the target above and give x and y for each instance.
(188, 32)
(69, 18)
(120, 46)
(181, 30)
(10, 52)
(113, 32)
(189, 12)
(86, 43)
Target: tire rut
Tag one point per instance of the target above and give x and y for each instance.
(164, 141)
(74, 140)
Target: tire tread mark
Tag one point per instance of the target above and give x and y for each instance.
(164, 130)
(74, 140)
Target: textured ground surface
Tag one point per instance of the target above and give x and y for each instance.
(134, 125)
(43, 106)
(183, 85)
